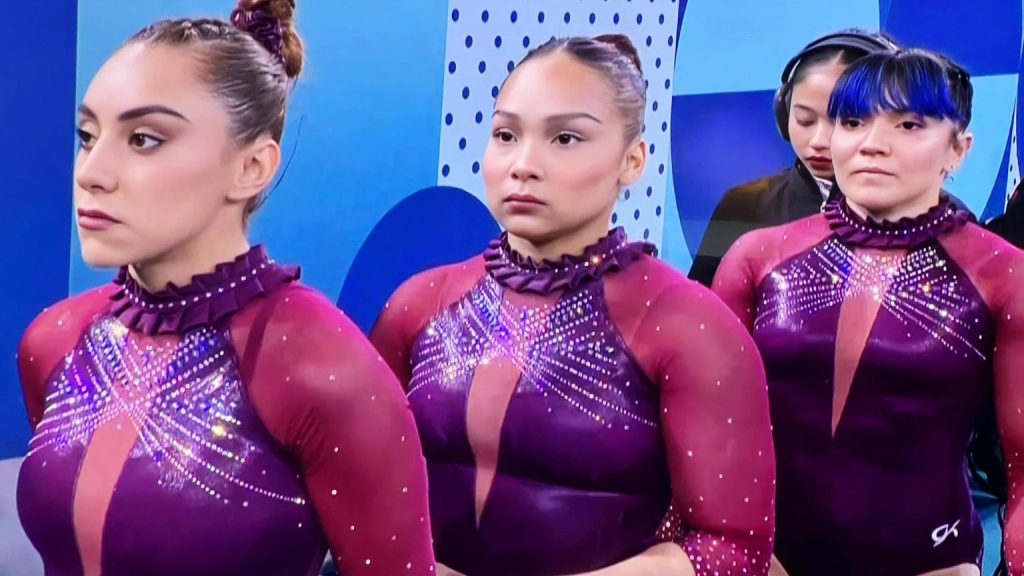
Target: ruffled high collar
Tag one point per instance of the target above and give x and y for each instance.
(523, 274)
(852, 229)
(207, 300)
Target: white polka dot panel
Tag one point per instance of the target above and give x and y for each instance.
(1013, 172)
(486, 39)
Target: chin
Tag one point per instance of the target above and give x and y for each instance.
(536, 230)
(99, 255)
(874, 203)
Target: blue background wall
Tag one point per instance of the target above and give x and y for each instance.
(36, 160)
(390, 120)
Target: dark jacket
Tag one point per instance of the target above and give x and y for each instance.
(1011, 224)
(784, 197)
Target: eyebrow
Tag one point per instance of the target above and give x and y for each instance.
(135, 113)
(552, 119)
(804, 107)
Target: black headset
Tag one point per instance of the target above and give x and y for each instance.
(867, 42)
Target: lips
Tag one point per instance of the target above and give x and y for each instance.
(523, 199)
(95, 220)
(872, 170)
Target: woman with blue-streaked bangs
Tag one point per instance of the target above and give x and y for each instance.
(887, 324)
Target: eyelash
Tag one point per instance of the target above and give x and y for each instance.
(144, 136)
(906, 124)
(567, 135)
(84, 138)
(87, 140)
(500, 133)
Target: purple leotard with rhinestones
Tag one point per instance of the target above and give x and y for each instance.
(881, 341)
(562, 406)
(239, 425)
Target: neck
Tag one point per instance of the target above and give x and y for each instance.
(571, 243)
(181, 263)
(910, 209)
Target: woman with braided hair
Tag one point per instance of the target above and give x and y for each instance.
(206, 414)
(887, 324)
(567, 385)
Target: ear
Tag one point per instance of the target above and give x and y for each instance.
(633, 163)
(259, 162)
(961, 146)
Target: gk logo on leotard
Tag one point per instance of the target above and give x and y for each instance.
(940, 534)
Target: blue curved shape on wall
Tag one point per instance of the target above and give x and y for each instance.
(434, 226)
(996, 204)
(720, 141)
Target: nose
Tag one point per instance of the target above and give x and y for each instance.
(822, 136)
(875, 141)
(95, 169)
(528, 162)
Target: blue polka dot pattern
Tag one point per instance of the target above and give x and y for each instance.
(480, 66)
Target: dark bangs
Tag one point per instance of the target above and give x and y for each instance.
(910, 81)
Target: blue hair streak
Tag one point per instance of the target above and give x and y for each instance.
(912, 81)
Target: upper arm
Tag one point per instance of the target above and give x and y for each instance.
(739, 274)
(716, 426)
(31, 374)
(49, 337)
(404, 314)
(1008, 372)
(328, 397)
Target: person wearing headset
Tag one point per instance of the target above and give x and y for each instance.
(801, 104)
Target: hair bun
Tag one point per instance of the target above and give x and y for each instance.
(292, 51)
(624, 45)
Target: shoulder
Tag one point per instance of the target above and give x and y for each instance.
(314, 345)
(425, 294)
(760, 185)
(988, 252)
(682, 319)
(435, 280)
(994, 266)
(665, 290)
(67, 317)
(777, 240)
(749, 194)
(56, 331)
(307, 313)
